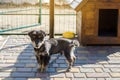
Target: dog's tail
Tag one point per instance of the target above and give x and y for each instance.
(76, 43)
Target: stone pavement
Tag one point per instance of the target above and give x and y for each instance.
(17, 62)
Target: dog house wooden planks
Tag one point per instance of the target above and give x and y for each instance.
(98, 22)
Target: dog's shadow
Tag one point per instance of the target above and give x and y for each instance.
(19, 61)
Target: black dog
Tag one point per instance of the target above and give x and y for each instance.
(45, 48)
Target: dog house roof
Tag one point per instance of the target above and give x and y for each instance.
(75, 3)
(78, 4)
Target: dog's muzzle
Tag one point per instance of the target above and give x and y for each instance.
(37, 44)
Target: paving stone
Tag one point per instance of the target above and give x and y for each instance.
(92, 66)
(112, 66)
(76, 70)
(7, 69)
(113, 58)
(102, 62)
(62, 79)
(111, 55)
(81, 62)
(10, 58)
(97, 75)
(115, 75)
(59, 70)
(57, 75)
(60, 61)
(31, 65)
(33, 79)
(51, 70)
(98, 70)
(101, 79)
(82, 58)
(42, 75)
(79, 75)
(63, 65)
(5, 74)
(112, 78)
(117, 54)
(27, 53)
(27, 61)
(106, 70)
(83, 79)
(83, 51)
(78, 65)
(62, 57)
(20, 78)
(6, 65)
(24, 69)
(39, 79)
(22, 74)
(34, 69)
(55, 65)
(102, 51)
(24, 55)
(11, 61)
(115, 69)
(69, 75)
(19, 65)
(33, 57)
(114, 62)
(87, 70)
(7, 78)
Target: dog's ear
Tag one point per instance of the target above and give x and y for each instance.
(44, 34)
(30, 33)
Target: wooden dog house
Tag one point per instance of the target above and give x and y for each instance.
(98, 21)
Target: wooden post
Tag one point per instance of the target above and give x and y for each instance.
(40, 5)
(51, 19)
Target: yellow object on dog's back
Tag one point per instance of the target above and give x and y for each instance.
(68, 35)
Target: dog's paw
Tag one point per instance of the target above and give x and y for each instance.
(68, 70)
(41, 70)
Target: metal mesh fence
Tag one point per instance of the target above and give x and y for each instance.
(65, 17)
(18, 18)
(23, 17)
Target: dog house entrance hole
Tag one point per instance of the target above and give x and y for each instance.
(108, 22)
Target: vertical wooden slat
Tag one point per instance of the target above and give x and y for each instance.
(51, 19)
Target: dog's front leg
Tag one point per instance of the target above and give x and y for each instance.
(38, 61)
(45, 63)
(41, 68)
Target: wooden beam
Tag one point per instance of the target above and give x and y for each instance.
(51, 19)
